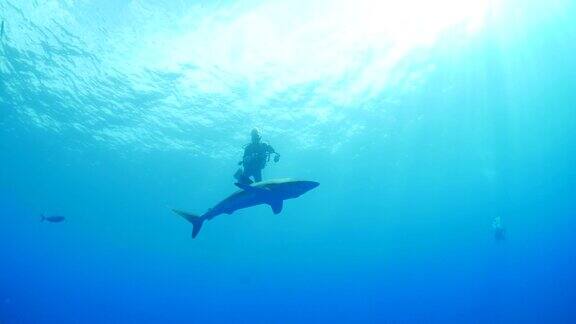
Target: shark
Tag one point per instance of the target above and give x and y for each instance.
(53, 218)
(271, 192)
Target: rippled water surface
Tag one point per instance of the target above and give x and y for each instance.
(427, 123)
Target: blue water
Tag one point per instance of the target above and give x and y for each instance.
(423, 121)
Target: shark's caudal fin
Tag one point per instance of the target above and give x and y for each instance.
(42, 217)
(196, 221)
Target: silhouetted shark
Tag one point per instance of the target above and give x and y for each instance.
(272, 193)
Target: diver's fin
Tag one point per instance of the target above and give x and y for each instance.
(196, 221)
(243, 186)
(249, 188)
(277, 205)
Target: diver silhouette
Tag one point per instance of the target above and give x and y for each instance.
(256, 155)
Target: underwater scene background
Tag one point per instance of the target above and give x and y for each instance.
(430, 125)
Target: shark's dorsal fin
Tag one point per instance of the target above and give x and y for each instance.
(249, 188)
(276, 206)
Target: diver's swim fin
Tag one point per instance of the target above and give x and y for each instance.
(249, 188)
(196, 221)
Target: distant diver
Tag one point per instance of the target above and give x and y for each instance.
(499, 230)
(2, 29)
(256, 155)
(53, 219)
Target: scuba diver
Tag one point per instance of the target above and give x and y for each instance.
(499, 230)
(256, 155)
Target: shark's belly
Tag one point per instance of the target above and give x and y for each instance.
(232, 205)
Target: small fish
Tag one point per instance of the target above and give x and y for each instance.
(53, 219)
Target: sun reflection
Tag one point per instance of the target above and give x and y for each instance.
(413, 22)
(278, 45)
(289, 62)
(306, 37)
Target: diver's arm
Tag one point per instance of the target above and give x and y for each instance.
(272, 151)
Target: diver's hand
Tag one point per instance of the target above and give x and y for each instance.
(277, 157)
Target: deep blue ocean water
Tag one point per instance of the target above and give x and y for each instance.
(424, 121)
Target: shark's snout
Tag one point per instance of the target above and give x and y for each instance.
(311, 185)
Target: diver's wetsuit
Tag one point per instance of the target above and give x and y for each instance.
(255, 157)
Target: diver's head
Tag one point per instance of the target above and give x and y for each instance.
(255, 135)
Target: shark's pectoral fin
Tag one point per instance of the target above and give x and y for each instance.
(277, 206)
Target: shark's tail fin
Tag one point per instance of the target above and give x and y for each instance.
(196, 221)
(42, 218)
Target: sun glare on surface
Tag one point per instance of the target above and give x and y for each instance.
(351, 48)
(294, 33)
(411, 22)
